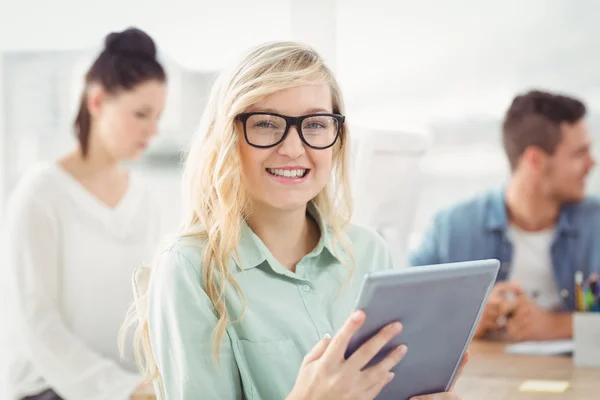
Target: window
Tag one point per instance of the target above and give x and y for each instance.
(454, 69)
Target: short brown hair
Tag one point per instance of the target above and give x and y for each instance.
(534, 119)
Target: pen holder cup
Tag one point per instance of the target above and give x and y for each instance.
(586, 339)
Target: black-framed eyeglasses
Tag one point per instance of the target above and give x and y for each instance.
(266, 129)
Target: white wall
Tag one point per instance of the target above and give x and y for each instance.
(3, 143)
(315, 22)
(204, 35)
(443, 60)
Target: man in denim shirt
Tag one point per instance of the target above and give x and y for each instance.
(540, 225)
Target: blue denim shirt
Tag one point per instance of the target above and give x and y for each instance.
(477, 229)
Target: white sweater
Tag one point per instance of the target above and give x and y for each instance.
(70, 263)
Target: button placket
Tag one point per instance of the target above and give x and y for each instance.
(315, 310)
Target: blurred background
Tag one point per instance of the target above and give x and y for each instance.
(446, 68)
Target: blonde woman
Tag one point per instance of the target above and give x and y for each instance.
(254, 299)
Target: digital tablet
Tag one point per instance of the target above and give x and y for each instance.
(439, 307)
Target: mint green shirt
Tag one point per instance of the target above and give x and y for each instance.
(287, 314)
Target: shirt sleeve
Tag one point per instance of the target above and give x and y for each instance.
(67, 365)
(181, 324)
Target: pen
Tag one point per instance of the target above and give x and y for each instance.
(593, 282)
(579, 302)
(589, 298)
(595, 291)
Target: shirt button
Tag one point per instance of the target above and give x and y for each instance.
(327, 336)
(564, 293)
(306, 288)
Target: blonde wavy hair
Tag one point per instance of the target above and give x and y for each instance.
(215, 201)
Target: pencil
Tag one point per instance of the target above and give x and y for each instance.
(579, 300)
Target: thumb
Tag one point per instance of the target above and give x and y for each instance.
(317, 351)
(515, 287)
(506, 287)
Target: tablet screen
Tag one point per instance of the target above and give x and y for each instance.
(439, 307)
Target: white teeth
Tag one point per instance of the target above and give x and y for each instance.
(293, 173)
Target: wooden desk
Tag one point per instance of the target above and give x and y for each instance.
(491, 374)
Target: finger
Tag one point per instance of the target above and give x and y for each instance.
(507, 291)
(481, 330)
(521, 300)
(484, 324)
(373, 374)
(492, 316)
(463, 362)
(317, 351)
(522, 312)
(339, 343)
(374, 390)
(508, 286)
(495, 297)
(516, 288)
(492, 308)
(371, 347)
(512, 309)
(484, 320)
(489, 323)
(507, 308)
(501, 310)
(499, 289)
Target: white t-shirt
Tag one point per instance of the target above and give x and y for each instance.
(532, 266)
(71, 259)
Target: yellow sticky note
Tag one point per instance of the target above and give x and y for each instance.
(544, 386)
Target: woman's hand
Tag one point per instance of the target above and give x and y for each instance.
(326, 374)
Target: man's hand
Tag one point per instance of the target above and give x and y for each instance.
(463, 362)
(529, 322)
(497, 306)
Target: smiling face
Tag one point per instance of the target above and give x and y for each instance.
(564, 173)
(290, 174)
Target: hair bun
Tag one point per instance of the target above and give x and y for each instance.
(131, 42)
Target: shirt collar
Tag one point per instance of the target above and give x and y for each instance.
(497, 220)
(495, 216)
(252, 252)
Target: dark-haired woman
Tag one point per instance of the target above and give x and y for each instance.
(78, 227)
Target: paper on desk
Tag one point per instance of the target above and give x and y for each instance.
(544, 386)
(545, 348)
